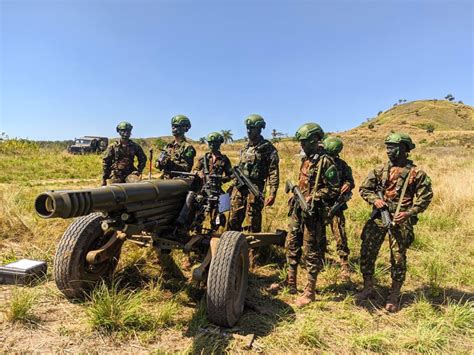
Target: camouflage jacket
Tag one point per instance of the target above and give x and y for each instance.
(119, 159)
(328, 185)
(259, 162)
(391, 179)
(179, 157)
(345, 173)
(220, 166)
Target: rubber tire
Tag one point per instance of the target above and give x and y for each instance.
(74, 276)
(228, 280)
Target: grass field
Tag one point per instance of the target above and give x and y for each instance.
(148, 309)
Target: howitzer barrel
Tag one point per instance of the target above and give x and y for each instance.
(115, 197)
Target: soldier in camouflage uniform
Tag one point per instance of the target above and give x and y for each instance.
(333, 147)
(214, 162)
(178, 155)
(118, 161)
(259, 162)
(319, 182)
(406, 191)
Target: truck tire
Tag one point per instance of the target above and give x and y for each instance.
(228, 279)
(74, 276)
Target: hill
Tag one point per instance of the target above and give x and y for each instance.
(442, 115)
(452, 123)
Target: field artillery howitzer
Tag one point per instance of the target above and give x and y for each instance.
(160, 214)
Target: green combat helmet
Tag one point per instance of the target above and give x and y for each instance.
(124, 126)
(215, 137)
(308, 131)
(255, 121)
(182, 121)
(333, 145)
(398, 137)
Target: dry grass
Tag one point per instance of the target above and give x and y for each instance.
(166, 314)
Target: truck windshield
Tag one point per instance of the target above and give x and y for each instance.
(83, 141)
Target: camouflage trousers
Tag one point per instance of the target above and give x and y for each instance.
(118, 177)
(244, 203)
(373, 236)
(338, 229)
(306, 239)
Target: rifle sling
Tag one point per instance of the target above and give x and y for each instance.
(316, 183)
(404, 190)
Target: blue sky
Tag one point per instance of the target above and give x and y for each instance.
(70, 68)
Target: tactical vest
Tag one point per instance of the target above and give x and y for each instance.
(253, 161)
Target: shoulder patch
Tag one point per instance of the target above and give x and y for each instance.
(331, 174)
(190, 152)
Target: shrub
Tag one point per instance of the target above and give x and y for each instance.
(21, 306)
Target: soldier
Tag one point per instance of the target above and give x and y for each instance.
(333, 147)
(214, 162)
(259, 162)
(118, 161)
(178, 155)
(405, 190)
(319, 183)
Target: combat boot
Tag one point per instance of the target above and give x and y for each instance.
(345, 270)
(392, 299)
(290, 282)
(368, 291)
(308, 294)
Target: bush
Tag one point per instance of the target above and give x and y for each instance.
(430, 128)
(371, 126)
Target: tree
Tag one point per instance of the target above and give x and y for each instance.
(227, 134)
(449, 97)
(276, 135)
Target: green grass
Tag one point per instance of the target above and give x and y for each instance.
(112, 309)
(158, 311)
(21, 306)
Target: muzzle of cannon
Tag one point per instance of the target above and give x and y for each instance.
(142, 199)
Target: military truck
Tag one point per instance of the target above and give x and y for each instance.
(88, 144)
(185, 213)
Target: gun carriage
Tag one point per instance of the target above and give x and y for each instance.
(159, 214)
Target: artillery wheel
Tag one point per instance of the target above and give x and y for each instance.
(228, 279)
(74, 276)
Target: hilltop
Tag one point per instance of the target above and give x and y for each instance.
(441, 114)
(450, 123)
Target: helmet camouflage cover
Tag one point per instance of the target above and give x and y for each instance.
(309, 130)
(255, 121)
(215, 137)
(398, 137)
(333, 145)
(181, 120)
(124, 126)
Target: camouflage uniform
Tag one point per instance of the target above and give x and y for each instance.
(307, 231)
(220, 166)
(258, 162)
(118, 161)
(338, 221)
(417, 198)
(181, 158)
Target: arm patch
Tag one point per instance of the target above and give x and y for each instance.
(331, 174)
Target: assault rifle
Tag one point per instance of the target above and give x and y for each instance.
(341, 200)
(162, 160)
(384, 213)
(243, 180)
(298, 195)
